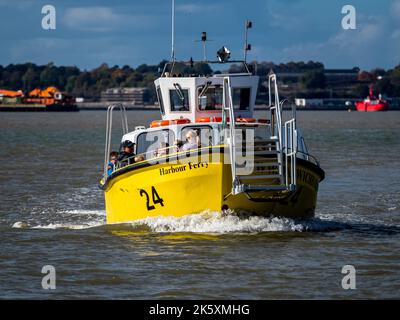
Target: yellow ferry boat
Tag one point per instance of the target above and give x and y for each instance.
(208, 151)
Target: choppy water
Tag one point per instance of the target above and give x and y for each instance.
(52, 213)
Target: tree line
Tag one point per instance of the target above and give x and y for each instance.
(90, 83)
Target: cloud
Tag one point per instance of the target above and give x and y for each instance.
(369, 30)
(21, 4)
(395, 34)
(396, 8)
(191, 8)
(367, 45)
(106, 19)
(98, 19)
(84, 52)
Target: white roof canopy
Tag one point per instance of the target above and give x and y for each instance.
(194, 97)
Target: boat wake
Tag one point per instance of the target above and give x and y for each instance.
(217, 222)
(231, 222)
(72, 219)
(209, 222)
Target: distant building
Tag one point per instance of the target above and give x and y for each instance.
(333, 76)
(341, 76)
(133, 96)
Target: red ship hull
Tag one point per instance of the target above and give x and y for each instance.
(371, 107)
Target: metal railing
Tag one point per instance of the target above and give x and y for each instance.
(276, 115)
(275, 108)
(109, 123)
(290, 147)
(228, 110)
(309, 157)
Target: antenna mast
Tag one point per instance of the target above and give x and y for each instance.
(204, 40)
(247, 46)
(173, 32)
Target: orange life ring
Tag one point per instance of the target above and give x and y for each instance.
(203, 119)
(210, 119)
(180, 121)
(159, 123)
(246, 120)
(239, 120)
(162, 123)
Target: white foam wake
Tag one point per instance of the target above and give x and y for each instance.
(70, 219)
(53, 226)
(206, 222)
(86, 212)
(218, 222)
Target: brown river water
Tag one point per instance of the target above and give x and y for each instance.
(52, 213)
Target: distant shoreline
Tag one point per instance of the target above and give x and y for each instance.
(99, 106)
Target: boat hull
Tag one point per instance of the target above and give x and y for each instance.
(367, 107)
(201, 182)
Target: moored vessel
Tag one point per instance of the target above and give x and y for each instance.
(49, 99)
(372, 103)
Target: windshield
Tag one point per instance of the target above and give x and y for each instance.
(211, 99)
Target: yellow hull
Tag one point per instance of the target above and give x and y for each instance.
(197, 183)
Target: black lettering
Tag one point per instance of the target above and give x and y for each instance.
(156, 197)
(149, 207)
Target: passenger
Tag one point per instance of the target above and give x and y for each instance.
(162, 150)
(127, 155)
(191, 141)
(139, 158)
(112, 163)
(178, 145)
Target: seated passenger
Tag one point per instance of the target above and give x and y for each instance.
(178, 145)
(127, 155)
(112, 162)
(139, 158)
(191, 141)
(162, 150)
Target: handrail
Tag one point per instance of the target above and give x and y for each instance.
(191, 63)
(148, 155)
(109, 122)
(290, 147)
(310, 157)
(276, 116)
(275, 108)
(303, 142)
(228, 106)
(175, 153)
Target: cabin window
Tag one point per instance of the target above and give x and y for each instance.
(148, 143)
(241, 98)
(160, 100)
(211, 99)
(204, 135)
(179, 99)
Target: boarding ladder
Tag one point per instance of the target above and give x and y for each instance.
(274, 159)
(109, 124)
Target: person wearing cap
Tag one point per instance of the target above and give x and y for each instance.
(112, 163)
(127, 155)
(191, 141)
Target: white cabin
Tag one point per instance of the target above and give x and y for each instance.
(201, 96)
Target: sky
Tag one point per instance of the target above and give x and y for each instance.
(131, 32)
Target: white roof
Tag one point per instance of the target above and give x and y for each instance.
(167, 87)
